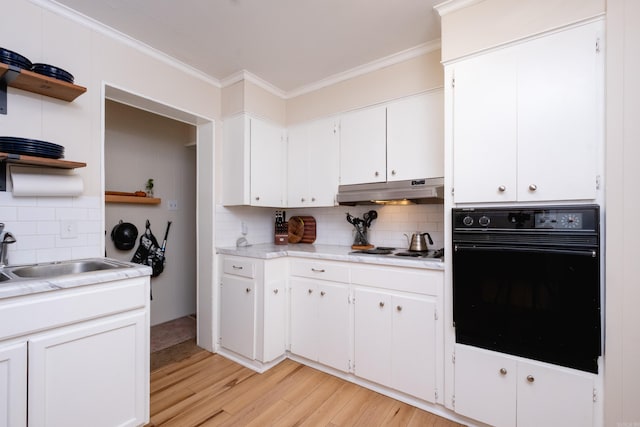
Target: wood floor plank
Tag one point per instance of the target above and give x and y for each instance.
(208, 390)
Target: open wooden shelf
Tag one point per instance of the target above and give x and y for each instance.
(40, 161)
(40, 84)
(110, 198)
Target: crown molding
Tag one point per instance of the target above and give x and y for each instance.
(367, 68)
(453, 5)
(250, 77)
(105, 30)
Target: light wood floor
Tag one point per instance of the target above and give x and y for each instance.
(209, 390)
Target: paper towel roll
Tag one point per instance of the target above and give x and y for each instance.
(29, 181)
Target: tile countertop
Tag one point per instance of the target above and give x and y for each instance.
(20, 287)
(328, 252)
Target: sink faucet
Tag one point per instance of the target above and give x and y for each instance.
(7, 239)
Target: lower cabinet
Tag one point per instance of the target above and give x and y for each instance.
(395, 341)
(253, 308)
(320, 313)
(76, 357)
(89, 374)
(13, 384)
(502, 390)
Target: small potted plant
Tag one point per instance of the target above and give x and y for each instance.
(149, 187)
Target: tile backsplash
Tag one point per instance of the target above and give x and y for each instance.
(332, 227)
(52, 228)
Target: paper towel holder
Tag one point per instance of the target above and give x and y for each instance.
(32, 161)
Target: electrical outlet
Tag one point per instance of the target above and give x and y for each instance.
(68, 229)
(173, 205)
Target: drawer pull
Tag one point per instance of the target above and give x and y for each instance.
(322, 293)
(275, 291)
(399, 308)
(317, 270)
(237, 267)
(503, 371)
(530, 378)
(248, 290)
(310, 291)
(381, 304)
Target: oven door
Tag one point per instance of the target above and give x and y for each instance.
(539, 303)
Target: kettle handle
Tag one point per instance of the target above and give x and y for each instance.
(429, 237)
(408, 240)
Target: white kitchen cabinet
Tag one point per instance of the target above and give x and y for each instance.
(90, 374)
(397, 335)
(76, 356)
(320, 312)
(253, 308)
(313, 164)
(13, 385)
(503, 390)
(527, 125)
(254, 162)
(415, 137)
(363, 145)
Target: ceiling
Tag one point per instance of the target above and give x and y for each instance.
(288, 43)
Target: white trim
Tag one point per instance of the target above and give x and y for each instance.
(64, 11)
(367, 68)
(449, 6)
(250, 77)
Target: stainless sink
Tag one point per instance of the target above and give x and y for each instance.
(61, 268)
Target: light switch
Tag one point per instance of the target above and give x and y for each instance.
(173, 205)
(68, 229)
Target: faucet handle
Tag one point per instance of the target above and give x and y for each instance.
(8, 238)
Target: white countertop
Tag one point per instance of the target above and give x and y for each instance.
(20, 287)
(329, 252)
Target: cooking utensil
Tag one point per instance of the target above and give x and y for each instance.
(418, 242)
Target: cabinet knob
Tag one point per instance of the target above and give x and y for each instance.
(502, 189)
(399, 308)
(302, 199)
(503, 371)
(275, 291)
(377, 173)
(533, 187)
(530, 378)
(257, 197)
(381, 303)
(248, 290)
(393, 172)
(310, 291)
(313, 199)
(322, 293)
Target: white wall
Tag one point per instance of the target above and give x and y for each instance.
(622, 334)
(140, 145)
(46, 33)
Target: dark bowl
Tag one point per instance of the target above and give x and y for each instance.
(52, 71)
(12, 58)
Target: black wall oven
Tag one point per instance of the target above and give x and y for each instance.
(526, 281)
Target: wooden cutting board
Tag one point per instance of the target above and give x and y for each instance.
(302, 229)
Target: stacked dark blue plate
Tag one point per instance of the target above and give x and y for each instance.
(52, 71)
(31, 147)
(15, 59)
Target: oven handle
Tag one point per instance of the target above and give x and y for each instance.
(584, 252)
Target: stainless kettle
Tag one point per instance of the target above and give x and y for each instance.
(418, 243)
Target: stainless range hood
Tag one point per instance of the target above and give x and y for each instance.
(411, 191)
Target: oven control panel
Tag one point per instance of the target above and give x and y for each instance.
(562, 218)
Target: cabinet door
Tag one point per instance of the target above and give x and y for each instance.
(275, 315)
(485, 386)
(324, 162)
(333, 325)
(297, 166)
(94, 374)
(268, 164)
(237, 315)
(559, 121)
(485, 128)
(414, 346)
(236, 149)
(372, 341)
(13, 385)
(415, 137)
(567, 397)
(363, 142)
(304, 318)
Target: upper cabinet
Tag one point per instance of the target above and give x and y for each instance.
(527, 119)
(401, 140)
(254, 153)
(313, 164)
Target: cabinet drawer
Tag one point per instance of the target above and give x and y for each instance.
(322, 270)
(427, 282)
(240, 267)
